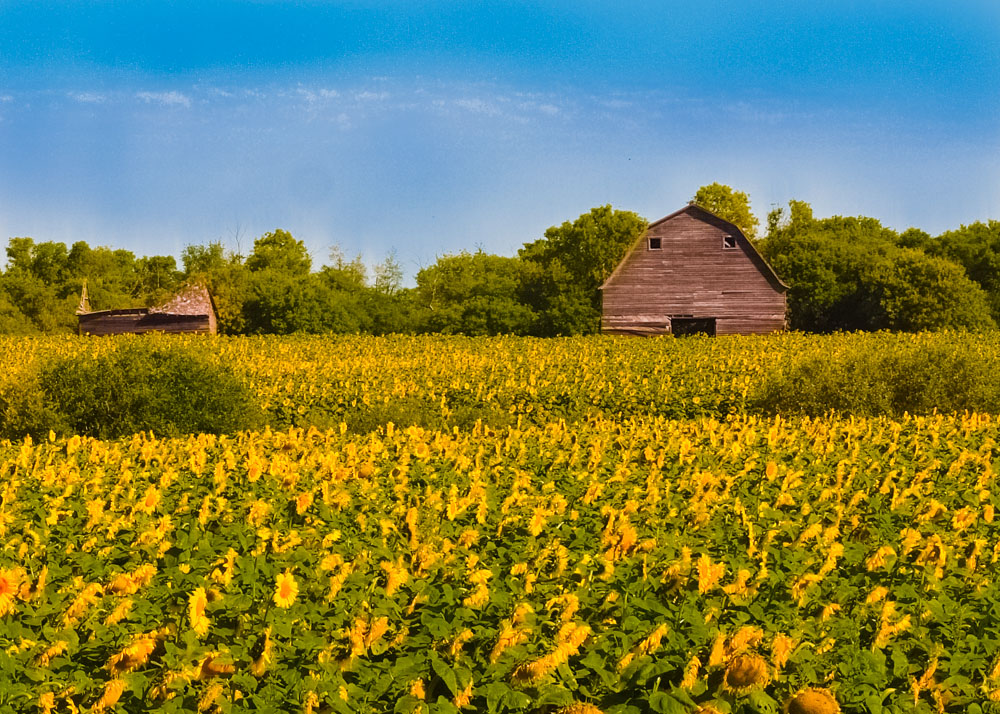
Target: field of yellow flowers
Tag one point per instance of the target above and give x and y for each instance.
(624, 562)
(448, 381)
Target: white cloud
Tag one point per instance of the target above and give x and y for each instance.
(550, 109)
(371, 96)
(478, 106)
(167, 99)
(313, 96)
(87, 97)
(6, 98)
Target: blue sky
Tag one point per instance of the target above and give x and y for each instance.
(438, 126)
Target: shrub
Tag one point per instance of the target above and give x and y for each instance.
(141, 386)
(888, 377)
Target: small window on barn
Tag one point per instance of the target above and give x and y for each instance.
(655, 244)
(728, 241)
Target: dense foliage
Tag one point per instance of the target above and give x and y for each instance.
(870, 380)
(140, 387)
(855, 274)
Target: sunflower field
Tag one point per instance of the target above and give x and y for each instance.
(591, 562)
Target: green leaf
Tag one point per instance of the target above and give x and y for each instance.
(446, 673)
(666, 704)
(554, 695)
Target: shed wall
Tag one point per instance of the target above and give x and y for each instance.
(135, 322)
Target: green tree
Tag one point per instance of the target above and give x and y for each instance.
(157, 278)
(12, 320)
(473, 294)
(976, 248)
(917, 291)
(281, 303)
(227, 279)
(852, 273)
(570, 263)
(200, 261)
(344, 274)
(729, 205)
(278, 250)
(111, 275)
(388, 275)
(35, 284)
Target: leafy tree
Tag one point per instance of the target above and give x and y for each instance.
(112, 280)
(346, 274)
(569, 264)
(227, 280)
(281, 303)
(388, 275)
(278, 250)
(157, 278)
(976, 248)
(34, 286)
(473, 294)
(917, 291)
(12, 320)
(848, 273)
(729, 205)
(201, 261)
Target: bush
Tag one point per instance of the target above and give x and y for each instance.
(141, 386)
(887, 377)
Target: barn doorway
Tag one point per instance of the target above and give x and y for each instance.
(684, 326)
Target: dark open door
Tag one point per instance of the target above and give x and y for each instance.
(681, 326)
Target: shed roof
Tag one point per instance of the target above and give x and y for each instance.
(191, 300)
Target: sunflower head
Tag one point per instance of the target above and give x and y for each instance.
(812, 701)
(746, 672)
(286, 590)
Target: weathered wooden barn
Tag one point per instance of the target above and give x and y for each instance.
(191, 311)
(692, 272)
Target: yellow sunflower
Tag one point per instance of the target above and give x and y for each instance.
(812, 701)
(286, 590)
(196, 612)
(745, 673)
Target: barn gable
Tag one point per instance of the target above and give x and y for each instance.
(692, 271)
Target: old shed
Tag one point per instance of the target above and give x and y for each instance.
(692, 272)
(189, 311)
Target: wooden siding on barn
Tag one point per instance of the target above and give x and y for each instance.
(190, 311)
(692, 275)
(138, 321)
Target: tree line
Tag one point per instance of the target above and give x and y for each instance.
(844, 273)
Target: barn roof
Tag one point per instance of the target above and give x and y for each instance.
(191, 300)
(762, 265)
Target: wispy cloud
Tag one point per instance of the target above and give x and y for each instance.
(477, 106)
(316, 95)
(87, 97)
(167, 99)
(367, 96)
(756, 113)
